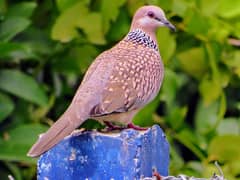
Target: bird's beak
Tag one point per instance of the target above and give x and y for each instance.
(169, 25)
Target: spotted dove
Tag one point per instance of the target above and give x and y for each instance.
(120, 81)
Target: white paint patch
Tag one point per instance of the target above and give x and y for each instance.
(83, 159)
(46, 167)
(73, 155)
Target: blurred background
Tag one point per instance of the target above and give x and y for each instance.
(46, 47)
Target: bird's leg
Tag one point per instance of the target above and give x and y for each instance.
(111, 127)
(131, 125)
(156, 174)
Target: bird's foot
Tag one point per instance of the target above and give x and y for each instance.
(156, 174)
(131, 125)
(112, 127)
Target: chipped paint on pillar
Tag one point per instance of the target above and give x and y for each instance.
(92, 155)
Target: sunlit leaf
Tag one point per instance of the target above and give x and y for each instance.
(228, 8)
(23, 86)
(209, 7)
(193, 62)
(197, 23)
(229, 126)
(233, 62)
(167, 44)
(65, 27)
(225, 148)
(210, 90)
(94, 31)
(65, 4)
(133, 5)
(6, 106)
(165, 4)
(110, 12)
(179, 7)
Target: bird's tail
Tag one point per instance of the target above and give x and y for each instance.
(61, 128)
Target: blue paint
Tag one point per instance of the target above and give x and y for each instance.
(92, 155)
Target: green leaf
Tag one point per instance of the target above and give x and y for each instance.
(145, 116)
(120, 27)
(15, 170)
(220, 30)
(210, 90)
(65, 27)
(110, 12)
(209, 7)
(176, 117)
(3, 7)
(233, 62)
(177, 161)
(225, 148)
(206, 117)
(179, 7)
(23, 86)
(79, 59)
(197, 24)
(189, 139)
(23, 9)
(228, 8)
(167, 44)
(133, 5)
(192, 61)
(171, 84)
(85, 55)
(18, 142)
(94, 31)
(12, 26)
(165, 4)
(65, 4)
(6, 106)
(229, 126)
(15, 51)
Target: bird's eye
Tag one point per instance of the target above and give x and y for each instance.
(151, 14)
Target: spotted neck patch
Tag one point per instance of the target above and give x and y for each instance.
(140, 37)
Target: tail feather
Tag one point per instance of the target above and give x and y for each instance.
(61, 128)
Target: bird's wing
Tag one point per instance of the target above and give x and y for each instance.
(114, 100)
(107, 87)
(118, 93)
(95, 80)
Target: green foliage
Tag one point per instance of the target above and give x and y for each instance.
(46, 47)
(23, 86)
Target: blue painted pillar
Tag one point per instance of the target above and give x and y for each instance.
(91, 155)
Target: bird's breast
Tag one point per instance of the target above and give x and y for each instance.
(140, 70)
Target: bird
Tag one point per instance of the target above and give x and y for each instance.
(119, 82)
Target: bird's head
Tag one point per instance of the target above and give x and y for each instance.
(149, 18)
